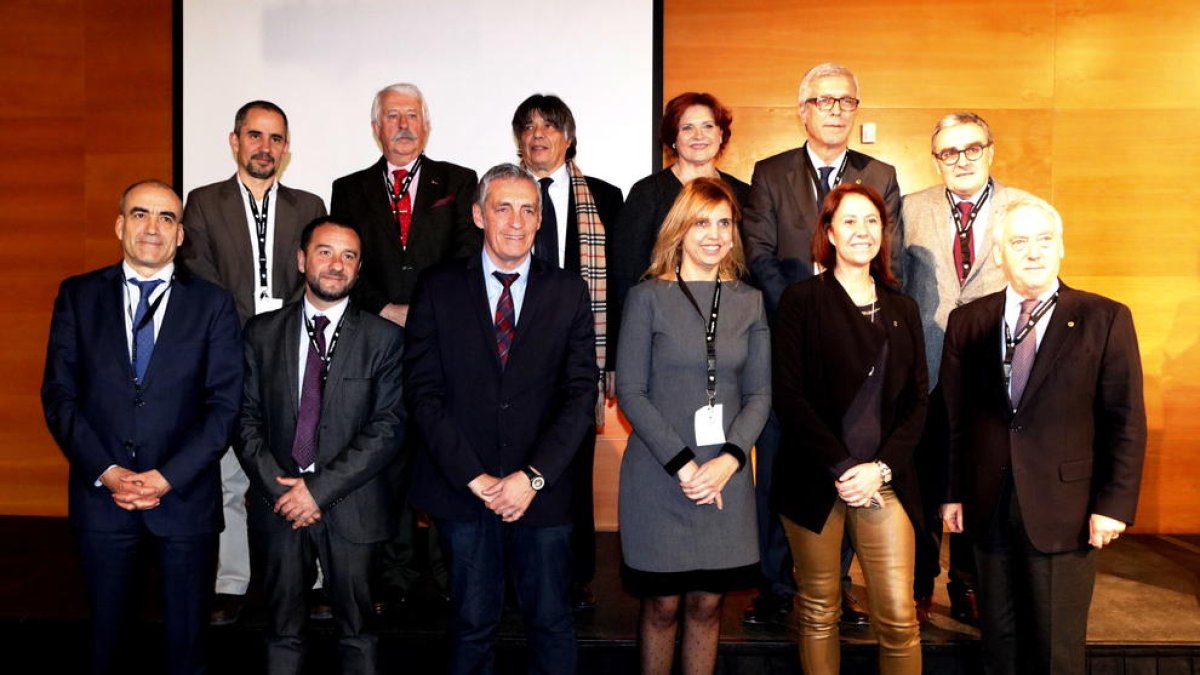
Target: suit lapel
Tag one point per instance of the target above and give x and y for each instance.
(347, 338)
(174, 328)
(430, 188)
(530, 307)
(284, 258)
(113, 303)
(803, 194)
(476, 293)
(1059, 332)
(236, 230)
(285, 363)
(379, 202)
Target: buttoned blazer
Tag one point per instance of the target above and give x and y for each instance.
(180, 424)
(361, 428)
(778, 222)
(823, 351)
(1076, 441)
(476, 417)
(929, 274)
(217, 246)
(441, 229)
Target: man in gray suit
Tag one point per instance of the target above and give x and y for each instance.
(785, 198)
(241, 235)
(948, 262)
(322, 417)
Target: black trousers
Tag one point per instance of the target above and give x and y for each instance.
(930, 459)
(1033, 606)
(583, 511)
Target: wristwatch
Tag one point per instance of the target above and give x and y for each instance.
(885, 472)
(536, 481)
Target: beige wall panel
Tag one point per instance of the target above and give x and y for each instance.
(40, 70)
(1125, 54)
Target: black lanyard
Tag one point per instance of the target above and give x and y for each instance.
(1011, 341)
(710, 334)
(260, 225)
(327, 357)
(964, 231)
(146, 319)
(396, 197)
(837, 178)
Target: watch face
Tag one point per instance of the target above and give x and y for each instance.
(537, 482)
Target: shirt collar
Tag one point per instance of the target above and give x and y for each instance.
(163, 274)
(334, 314)
(1014, 299)
(817, 162)
(392, 168)
(974, 199)
(489, 266)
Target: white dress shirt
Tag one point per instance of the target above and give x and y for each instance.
(495, 288)
(273, 192)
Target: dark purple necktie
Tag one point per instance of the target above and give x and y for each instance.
(506, 317)
(304, 445)
(964, 243)
(1022, 361)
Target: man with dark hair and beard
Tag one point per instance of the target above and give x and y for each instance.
(241, 233)
(322, 417)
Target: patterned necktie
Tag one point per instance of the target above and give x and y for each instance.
(404, 213)
(1022, 361)
(506, 317)
(143, 327)
(823, 186)
(304, 444)
(962, 262)
(545, 243)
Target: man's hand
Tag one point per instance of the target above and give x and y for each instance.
(952, 515)
(704, 485)
(480, 484)
(1103, 530)
(397, 314)
(510, 496)
(610, 385)
(860, 485)
(140, 491)
(297, 504)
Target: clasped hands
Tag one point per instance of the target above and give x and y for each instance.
(703, 483)
(297, 504)
(860, 485)
(508, 497)
(135, 491)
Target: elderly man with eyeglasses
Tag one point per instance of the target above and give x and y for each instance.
(786, 192)
(948, 262)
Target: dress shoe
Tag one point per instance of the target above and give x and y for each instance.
(924, 609)
(226, 609)
(964, 607)
(853, 613)
(388, 601)
(319, 608)
(766, 609)
(582, 597)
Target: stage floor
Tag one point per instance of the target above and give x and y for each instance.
(1145, 617)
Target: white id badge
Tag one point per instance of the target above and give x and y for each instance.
(710, 427)
(263, 305)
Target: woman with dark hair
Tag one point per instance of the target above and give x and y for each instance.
(693, 378)
(850, 390)
(694, 131)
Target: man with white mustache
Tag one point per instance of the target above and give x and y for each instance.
(414, 212)
(242, 234)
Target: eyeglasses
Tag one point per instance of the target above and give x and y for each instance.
(949, 156)
(825, 103)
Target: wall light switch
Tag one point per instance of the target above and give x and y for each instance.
(868, 132)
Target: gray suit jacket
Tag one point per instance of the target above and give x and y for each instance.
(218, 248)
(362, 422)
(929, 275)
(778, 222)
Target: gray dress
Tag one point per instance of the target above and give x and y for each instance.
(661, 375)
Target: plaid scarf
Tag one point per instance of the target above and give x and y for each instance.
(591, 259)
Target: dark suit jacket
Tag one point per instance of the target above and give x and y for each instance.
(1076, 442)
(778, 224)
(442, 228)
(823, 351)
(362, 422)
(189, 400)
(218, 246)
(478, 418)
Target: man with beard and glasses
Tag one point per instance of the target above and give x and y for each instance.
(240, 235)
(414, 212)
(322, 418)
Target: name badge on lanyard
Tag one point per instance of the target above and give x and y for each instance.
(710, 418)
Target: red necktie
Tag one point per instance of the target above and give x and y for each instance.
(404, 211)
(961, 236)
(506, 317)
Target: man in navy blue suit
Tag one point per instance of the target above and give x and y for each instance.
(500, 376)
(141, 391)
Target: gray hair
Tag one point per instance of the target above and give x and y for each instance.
(506, 171)
(821, 71)
(400, 88)
(1024, 200)
(955, 119)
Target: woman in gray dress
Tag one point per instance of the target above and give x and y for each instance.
(693, 378)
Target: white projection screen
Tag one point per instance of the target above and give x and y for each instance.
(323, 60)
